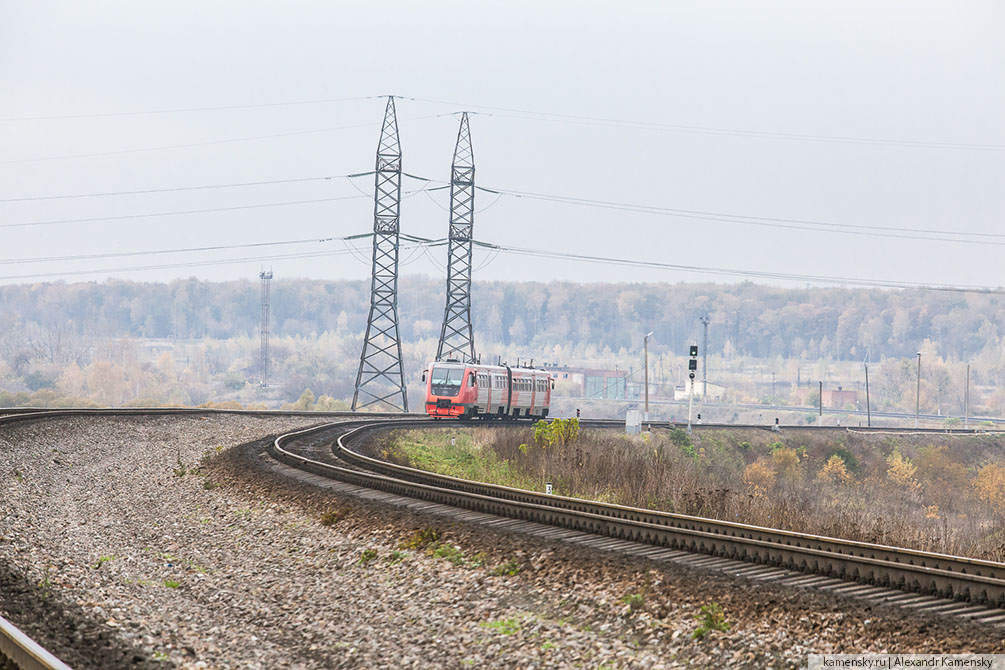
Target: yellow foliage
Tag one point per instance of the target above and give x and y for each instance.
(759, 476)
(990, 485)
(931, 511)
(901, 471)
(786, 464)
(834, 471)
(937, 468)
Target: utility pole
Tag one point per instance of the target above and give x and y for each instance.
(645, 345)
(868, 407)
(917, 394)
(456, 336)
(266, 277)
(704, 358)
(380, 362)
(966, 401)
(820, 399)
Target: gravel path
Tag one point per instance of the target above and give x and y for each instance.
(165, 542)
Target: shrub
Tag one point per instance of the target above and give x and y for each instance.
(420, 539)
(507, 569)
(990, 485)
(635, 601)
(785, 461)
(901, 471)
(834, 471)
(850, 460)
(556, 432)
(759, 476)
(710, 617)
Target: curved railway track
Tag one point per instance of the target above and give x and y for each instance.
(967, 587)
(753, 551)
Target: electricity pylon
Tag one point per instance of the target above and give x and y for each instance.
(380, 367)
(456, 337)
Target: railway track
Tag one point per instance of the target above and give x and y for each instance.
(950, 584)
(970, 588)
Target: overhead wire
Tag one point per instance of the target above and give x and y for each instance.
(416, 244)
(754, 220)
(190, 145)
(121, 217)
(539, 115)
(177, 110)
(925, 234)
(187, 264)
(768, 222)
(174, 189)
(533, 115)
(154, 252)
(875, 283)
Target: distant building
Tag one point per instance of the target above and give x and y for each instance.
(839, 398)
(833, 398)
(598, 384)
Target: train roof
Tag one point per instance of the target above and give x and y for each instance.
(485, 366)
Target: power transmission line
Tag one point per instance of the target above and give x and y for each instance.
(774, 222)
(415, 242)
(156, 252)
(190, 145)
(882, 283)
(187, 264)
(173, 189)
(177, 110)
(537, 115)
(809, 225)
(532, 115)
(763, 221)
(187, 211)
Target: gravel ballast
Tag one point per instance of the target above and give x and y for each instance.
(171, 542)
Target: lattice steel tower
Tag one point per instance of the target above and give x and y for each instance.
(266, 277)
(380, 367)
(457, 340)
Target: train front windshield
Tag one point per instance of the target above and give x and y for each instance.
(446, 381)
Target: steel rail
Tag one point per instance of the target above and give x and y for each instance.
(907, 569)
(24, 652)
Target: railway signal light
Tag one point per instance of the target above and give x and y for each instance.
(694, 351)
(692, 365)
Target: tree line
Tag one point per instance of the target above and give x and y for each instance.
(47, 320)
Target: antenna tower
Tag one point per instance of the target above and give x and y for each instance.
(456, 336)
(380, 362)
(266, 278)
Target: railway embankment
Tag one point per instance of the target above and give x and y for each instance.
(172, 541)
(936, 492)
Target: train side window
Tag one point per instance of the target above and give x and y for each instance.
(471, 379)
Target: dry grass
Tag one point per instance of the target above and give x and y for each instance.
(936, 493)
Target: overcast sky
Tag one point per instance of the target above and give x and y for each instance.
(879, 120)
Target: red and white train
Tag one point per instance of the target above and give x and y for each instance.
(469, 390)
